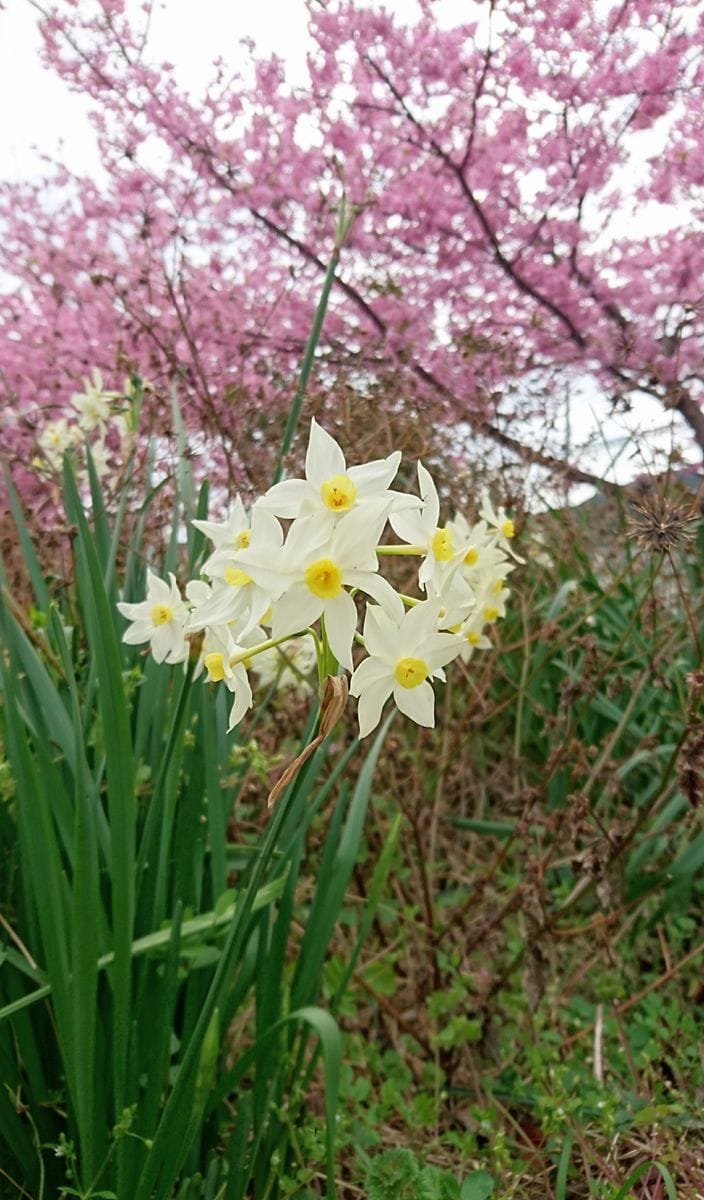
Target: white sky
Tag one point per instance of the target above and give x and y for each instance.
(38, 115)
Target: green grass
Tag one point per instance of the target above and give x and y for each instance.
(463, 962)
(137, 934)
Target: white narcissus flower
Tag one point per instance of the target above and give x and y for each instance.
(490, 599)
(405, 652)
(315, 567)
(331, 488)
(159, 620)
(93, 404)
(256, 575)
(235, 593)
(473, 636)
(56, 438)
(261, 531)
(420, 528)
(233, 532)
(226, 660)
(502, 526)
(455, 597)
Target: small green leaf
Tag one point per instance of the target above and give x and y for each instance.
(477, 1186)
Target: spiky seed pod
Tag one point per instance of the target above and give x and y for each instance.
(661, 524)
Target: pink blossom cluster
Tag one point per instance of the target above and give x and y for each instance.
(501, 182)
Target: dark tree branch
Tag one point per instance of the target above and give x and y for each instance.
(506, 266)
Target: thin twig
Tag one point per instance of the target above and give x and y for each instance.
(628, 1004)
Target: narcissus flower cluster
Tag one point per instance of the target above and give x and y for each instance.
(268, 590)
(98, 420)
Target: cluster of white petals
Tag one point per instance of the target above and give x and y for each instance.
(100, 421)
(279, 599)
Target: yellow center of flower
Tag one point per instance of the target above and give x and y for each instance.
(442, 545)
(324, 578)
(242, 539)
(498, 587)
(236, 578)
(338, 493)
(214, 665)
(490, 613)
(410, 672)
(472, 638)
(471, 556)
(161, 614)
(507, 528)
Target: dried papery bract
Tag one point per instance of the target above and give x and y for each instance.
(331, 710)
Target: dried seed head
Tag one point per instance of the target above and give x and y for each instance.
(695, 685)
(690, 766)
(661, 524)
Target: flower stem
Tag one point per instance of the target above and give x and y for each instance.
(269, 644)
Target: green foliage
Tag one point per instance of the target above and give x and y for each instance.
(154, 1039)
(399, 1175)
(523, 895)
(547, 901)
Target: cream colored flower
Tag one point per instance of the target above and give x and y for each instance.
(405, 652)
(331, 488)
(93, 403)
(160, 620)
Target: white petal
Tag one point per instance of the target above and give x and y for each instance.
(296, 610)
(401, 501)
(374, 477)
(225, 605)
(178, 652)
(307, 539)
(266, 575)
(419, 622)
(441, 649)
(265, 527)
(370, 671)
(288, 498)
(381, 633)
(357, 534)
(238, 515)
(198, 591)
(380, 589)
(243, 698)
(140, 632)
(224, 532)
(158, 591)
(418, 703)
(135, 612)
(409, 526)
(340, 625)
(370, 705)
(427, 570)
(259, 602)
(429, 496)
(324, 457)
(163, 642)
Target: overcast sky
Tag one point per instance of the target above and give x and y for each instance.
(38, 115)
